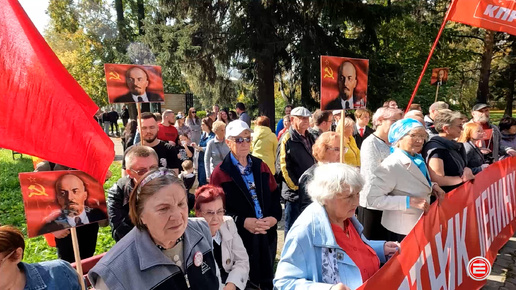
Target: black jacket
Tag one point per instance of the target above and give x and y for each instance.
(359, 139)
(239, 204)
(294, 159)
(118, 207)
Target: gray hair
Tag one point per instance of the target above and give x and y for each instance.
(331, 179)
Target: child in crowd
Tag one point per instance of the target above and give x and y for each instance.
(190, 180)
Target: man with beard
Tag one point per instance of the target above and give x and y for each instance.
(137, 81)
(491, 146)
(71, 195)
(347, 82)
(167, 154)
(167, 132)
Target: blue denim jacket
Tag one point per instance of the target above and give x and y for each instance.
(301, 263)
(50, 275)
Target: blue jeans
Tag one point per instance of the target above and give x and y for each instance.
(201, 171)
(292, 212)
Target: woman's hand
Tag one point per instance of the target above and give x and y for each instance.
(389, 248)
(255, 226)
(419, 203)
(269, 221)
(339, 286)
(438, 192)
(230, 286)
(467, 175)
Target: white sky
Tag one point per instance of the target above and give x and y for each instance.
(36, 11)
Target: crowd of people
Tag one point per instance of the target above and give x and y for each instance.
(342, 221)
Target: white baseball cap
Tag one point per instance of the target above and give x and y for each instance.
(300, 112)
(234, 128)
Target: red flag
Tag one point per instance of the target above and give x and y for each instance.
(497, 15)
(43, 111)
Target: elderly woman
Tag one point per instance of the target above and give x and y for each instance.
(216, 149)
(51, 275)
(445, 157)
(472, 133)
(325, 247)
(373, 151)
(265, 143)
(207, 135)
(228, 249)
(163, 249)
(352, 156)
(253, 200)
(325, 150)
(402, 202)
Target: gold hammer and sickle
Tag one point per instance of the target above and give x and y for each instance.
(328, 73)
(114, 76)
(37, 191)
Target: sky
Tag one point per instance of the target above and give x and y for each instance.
(36, 11)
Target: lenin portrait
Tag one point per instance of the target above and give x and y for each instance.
(134, 84)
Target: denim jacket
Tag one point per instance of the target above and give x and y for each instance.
(311, 257)
(50, 275)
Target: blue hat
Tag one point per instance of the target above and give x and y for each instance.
(401, 128)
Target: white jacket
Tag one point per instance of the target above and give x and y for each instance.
(396, 178)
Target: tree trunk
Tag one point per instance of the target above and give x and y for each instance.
(119, 7)
(512, 78)
(265, 79)
(141, 16)
(485, 69)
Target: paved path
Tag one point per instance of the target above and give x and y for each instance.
(503, 274)
(119, 149)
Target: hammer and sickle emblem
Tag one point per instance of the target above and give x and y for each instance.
(37, 189)
(114, 76)
(328, 73)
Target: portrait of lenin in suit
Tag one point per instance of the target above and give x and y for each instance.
(137, 81)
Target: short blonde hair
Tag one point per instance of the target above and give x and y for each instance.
(217, 125)
(331, 179)
(445, 118)
(347, 122)
(322, 143)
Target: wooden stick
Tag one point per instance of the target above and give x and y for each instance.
(77, 254)
(342, 138)
(437, 91)
(138, 107)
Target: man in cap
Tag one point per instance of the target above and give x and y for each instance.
(294, 158)
(429, 119)
(490, 146)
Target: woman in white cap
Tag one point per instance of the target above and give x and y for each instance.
(253, 200)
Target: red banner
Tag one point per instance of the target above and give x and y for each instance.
(497, 15)
(476, 219)
(44, 112)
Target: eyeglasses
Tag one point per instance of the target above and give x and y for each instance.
(142, 171)
(194, 112)
(241, 140)
(6, 257)
(211, 214)
(418, 136)
(337, 149)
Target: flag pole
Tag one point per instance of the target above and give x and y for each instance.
(138, 106)
(437, 91)
(77, 254)
(445, 20)
(342, 138)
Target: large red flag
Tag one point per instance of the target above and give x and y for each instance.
(497, 15)
(43, 111)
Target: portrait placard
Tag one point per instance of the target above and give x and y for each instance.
(343, 82)
(57, 200)
(129, 83)
(439, 76)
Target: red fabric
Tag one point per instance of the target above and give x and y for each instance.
(44, 112)
(364, 256)
(167, 133)
(281, 132)
(497, 15)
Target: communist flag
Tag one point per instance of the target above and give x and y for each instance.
(43, 111)
(497, 15)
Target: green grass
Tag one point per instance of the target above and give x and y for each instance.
(12, 211)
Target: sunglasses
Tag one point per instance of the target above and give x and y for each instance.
(142, 171)
(241, 140)
(6, 257)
